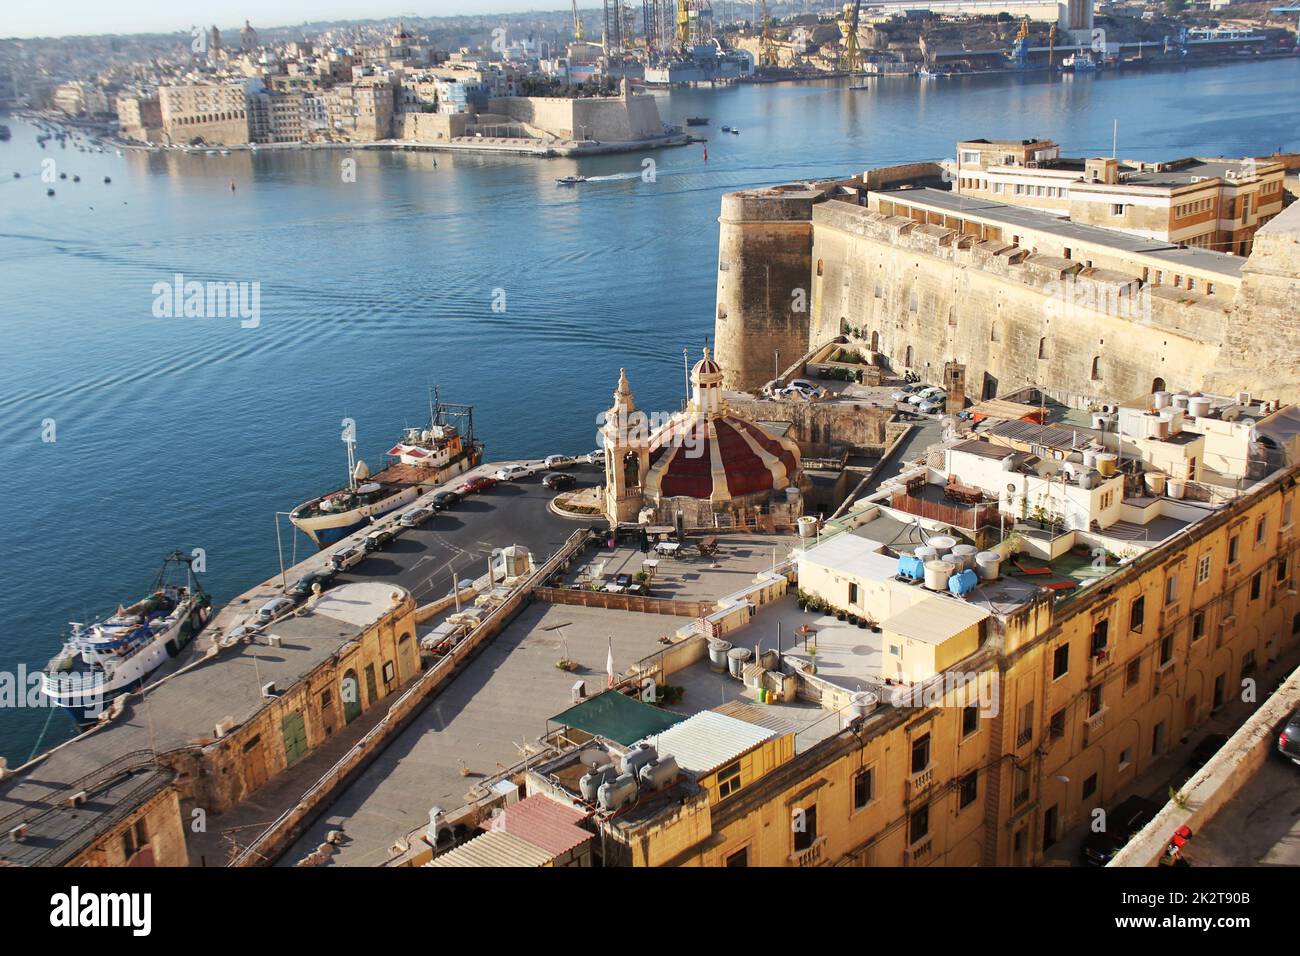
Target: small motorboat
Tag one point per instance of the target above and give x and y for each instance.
(697, 121)
(728, 129)
(570, 180)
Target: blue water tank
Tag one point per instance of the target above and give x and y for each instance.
(963, 582)
(910, 566)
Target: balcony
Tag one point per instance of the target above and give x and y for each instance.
(1099, 661)
(811, 856)
(1024, 737)
(1094, 724)
(919, 851)
(918, 782)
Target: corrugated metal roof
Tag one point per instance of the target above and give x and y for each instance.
(703, 743)
(616, 717)
(494, 848)
(754, 714)
(543, 822)
(934, 619)
(1048, 436)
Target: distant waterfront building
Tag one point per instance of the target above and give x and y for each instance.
(139, 116)
(211, 113)
(214, 42)
(248, 38)
(361, 111)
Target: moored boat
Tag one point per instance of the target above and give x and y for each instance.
(116, 655)
(422, 460)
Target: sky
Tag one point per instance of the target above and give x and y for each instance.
(90, 17)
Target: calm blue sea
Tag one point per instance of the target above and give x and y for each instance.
(175, 432)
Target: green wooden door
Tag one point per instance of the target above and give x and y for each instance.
(370, 683)
(295, 737)
(351, 695)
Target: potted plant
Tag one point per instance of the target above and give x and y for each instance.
(840, 614)
(853, 619)
(801, 598)
(812, 654)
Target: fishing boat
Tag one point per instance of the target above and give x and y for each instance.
(423, 459)
(1080, 63)
(697, 121)
(570, 180)
(114, 656)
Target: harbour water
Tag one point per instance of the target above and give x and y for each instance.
(192, 432)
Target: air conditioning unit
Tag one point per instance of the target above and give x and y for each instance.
(18, 833)
(268, 689)
(274, 640)
(224, 726)
(78, 798)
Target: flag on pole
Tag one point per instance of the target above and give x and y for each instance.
(609, 665)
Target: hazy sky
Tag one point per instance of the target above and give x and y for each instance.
(77, 17)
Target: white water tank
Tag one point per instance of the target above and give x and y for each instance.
(862, 703)
(1198, 407)
(807, 526)
(1086, 479)
(942, 544)
(718, 655)
(1107, 463)
(989, 565)
(1174, 488)
(1100, 420)
(1243, 398)
(1181, 400)
(1155, 482)
(937, 574)
(1160, 400)
(963, 557)
(1090, 458)
(737, 658)
(925, 553)
(616, 793)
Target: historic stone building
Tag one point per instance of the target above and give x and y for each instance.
(704, 461)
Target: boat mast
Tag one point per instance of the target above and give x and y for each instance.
(350, 440)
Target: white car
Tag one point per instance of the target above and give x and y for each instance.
(932, 406)
(934, 391)
(552, 462)
(415, 517)
(514, 472)
(907, 391)
(274, 608)
(805, 385)
(596, 457)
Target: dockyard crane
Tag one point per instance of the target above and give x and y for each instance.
(579, 33)
(850, 61)
(767, 44)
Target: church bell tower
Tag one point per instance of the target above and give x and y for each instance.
(626, 440)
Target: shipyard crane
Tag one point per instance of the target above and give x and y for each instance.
(850, 60)
(767, 55)
(579, 33)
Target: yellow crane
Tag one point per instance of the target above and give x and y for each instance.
(579, 33)
(767, 55)
(850, 61)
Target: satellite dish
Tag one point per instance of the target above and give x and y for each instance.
(591, 759)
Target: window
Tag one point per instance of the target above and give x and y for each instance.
(920, 753)
(1171, 589)
(1094, 700)
(389, 672)
(819, 267)
(1089, 786)
(1022, 785)
(1100, 634)
(1117, 209)
(1261, 526)
(1203, 569)
(918, 825)
(729, 780)
(1061, 662)
(1256, 585)
(853, 594)
(1056, 729)
(1096, 367)
(1133, 673)
(805, 828)
(1247, 663)
(134, 839)
(739, 858)
(1026, 724)
(1283, 570)
(1137, 613)
(1166, 649)
(1286, 512)
(1234, 549)
(864, 785)
(1198, 626)
(1107, 499)
(1042, 348)
(968, 790)
(325, 698)
(1125, 757)
(970, 720)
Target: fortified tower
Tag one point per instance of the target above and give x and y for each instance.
(764, 284)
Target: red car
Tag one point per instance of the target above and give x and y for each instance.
(481, 483)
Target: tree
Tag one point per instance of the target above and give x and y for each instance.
(1175, 7)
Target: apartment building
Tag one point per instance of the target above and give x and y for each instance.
(1205, 203)
(362, 110)
(139, 116)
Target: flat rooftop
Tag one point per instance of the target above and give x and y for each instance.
(1025, 218)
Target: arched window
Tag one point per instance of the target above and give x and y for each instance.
(1096, 367)
(1157, 385)
(908, 362)
(1042, 348)
(875, 341)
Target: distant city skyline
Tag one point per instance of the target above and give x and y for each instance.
(87, 18)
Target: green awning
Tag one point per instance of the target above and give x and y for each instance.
(617, 717)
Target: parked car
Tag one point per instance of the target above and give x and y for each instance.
(1098, 848)
(934, 391)
(445, 499)
(932, 406)
(1122, 824)
(559, 481)
(379, 539)
(475, 485)
(907, 391)
(415, 517)
(1288, 740)
(805, 384)
(274, 609)
(342, 560)
(1206, 749)
(303, 586)
(596, 457)
(552, 462)
(515, 472)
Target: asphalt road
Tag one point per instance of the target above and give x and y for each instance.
(459, 540)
